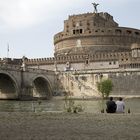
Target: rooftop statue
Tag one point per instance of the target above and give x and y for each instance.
(95, 7)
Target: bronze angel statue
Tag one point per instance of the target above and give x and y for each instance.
(95, 7)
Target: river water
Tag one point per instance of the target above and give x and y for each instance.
(90, 106)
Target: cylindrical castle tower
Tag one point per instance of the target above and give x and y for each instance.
(135, 50)
(93, 32)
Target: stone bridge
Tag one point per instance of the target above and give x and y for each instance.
(25, 83)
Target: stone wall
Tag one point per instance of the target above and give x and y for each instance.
(83, 83)
(126, 83)
(100, 42)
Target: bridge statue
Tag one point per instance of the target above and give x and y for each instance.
(95, 7)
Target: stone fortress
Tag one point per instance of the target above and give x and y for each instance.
(92, 46)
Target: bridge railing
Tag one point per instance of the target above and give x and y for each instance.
(20, 68)
(39, 70)
(9, 66)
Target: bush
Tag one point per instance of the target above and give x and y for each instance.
(70, 106)
(105, 87)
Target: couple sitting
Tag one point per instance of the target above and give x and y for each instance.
(115, 107)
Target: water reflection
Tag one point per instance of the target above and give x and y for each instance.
(90, 106)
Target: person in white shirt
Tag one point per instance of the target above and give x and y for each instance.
(120, 105)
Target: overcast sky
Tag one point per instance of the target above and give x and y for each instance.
(28, 26)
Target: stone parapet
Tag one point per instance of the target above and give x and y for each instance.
(122, 57)
(40, 61)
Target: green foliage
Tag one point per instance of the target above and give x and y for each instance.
(71, 107)
(105, 87)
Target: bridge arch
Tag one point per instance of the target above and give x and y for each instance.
(9, 88)
(41, 87)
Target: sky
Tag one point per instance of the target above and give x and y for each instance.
(28, 26)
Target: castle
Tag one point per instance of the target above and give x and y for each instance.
(92, 46)
(92, 41)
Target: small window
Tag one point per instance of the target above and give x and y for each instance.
(128, 32)
(87, 62)
(137, 33)
(118, 31)
(81, 31)
(110, 63)
(78, 31)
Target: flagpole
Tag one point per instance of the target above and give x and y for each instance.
(7, 50)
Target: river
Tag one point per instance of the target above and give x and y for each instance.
(90, 106)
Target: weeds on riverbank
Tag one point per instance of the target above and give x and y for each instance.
(70, 106)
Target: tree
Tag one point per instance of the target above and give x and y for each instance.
(105, 87)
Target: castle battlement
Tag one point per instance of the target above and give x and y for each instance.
(40, 61)
(75, 58)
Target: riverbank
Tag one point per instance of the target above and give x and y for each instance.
(65, 126)
(94, 98)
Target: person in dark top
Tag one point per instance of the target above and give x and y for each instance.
(111, 106)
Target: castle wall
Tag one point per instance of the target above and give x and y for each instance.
(95, 65)
(84, 83)
(98, 42)
(83, 62)
(126, 83)
(79, 66)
